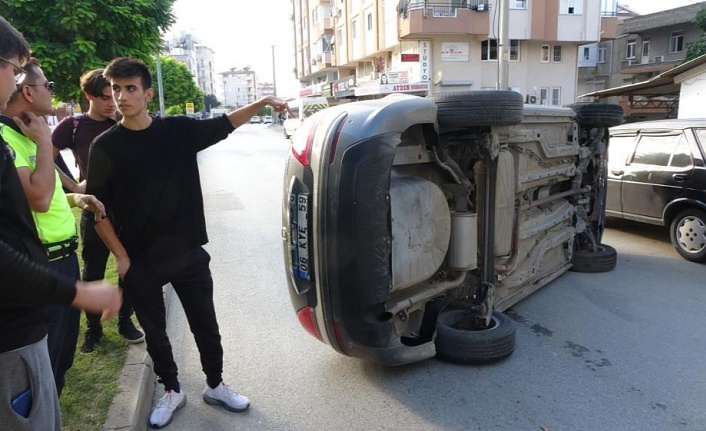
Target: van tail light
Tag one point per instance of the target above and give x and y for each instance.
(301, 149)
(336, 137)
(307, 320)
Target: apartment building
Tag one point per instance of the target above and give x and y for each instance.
(646, 46)
(199, 59)
(356, 49)
(239, 87)
(206, 69)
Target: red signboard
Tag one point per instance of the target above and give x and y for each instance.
(409, 57)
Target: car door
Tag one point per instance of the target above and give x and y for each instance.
(656, 173)
(620, 149)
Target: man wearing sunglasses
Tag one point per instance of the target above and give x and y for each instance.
(51, 207)
(28, 399)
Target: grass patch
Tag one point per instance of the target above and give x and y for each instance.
(92, 381)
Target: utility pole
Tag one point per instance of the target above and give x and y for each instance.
(160, 88)
(274, 72)
(504, 45)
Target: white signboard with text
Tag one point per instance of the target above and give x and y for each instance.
(455, 51)
(425, 60)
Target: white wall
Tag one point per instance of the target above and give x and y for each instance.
(693, 91)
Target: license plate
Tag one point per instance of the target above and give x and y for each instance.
(300, 238)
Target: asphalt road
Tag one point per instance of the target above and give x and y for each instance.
(624, 350)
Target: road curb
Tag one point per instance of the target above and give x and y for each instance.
(131, 405)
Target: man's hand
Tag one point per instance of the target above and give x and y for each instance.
(278, 105)
(98, 297)
(35, 128)
(123, 265)
(80, 187)
(88, 202)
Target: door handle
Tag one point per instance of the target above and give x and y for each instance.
(680, 178)
(617, 173)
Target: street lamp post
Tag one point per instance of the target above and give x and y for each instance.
(160, 88)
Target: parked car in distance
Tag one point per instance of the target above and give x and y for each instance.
(268, 119)
(218, 112)
(255, 120)
(301, 109)
(409, 224)
(657, 175)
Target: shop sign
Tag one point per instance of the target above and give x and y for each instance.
(425, 60)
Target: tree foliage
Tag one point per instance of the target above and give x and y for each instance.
(70, 37)
(178, 84)
(210, 101)
(697, 48)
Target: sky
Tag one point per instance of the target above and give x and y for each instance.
(242, 33)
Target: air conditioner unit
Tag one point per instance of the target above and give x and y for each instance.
(532, 100)
(659, 59)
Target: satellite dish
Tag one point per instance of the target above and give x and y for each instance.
(438, 77)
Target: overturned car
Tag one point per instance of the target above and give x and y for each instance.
(410, 224)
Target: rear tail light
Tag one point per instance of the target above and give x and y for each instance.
(301, 149)
(307, 320)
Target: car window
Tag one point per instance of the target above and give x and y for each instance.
(620, 148)
(682, 154)
(655, 150)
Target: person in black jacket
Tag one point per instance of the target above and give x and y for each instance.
(145, 171)
(28, 398)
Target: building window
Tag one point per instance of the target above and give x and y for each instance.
(556, 96)
(514, 50)
(630, 49)
(544, 58)
(354, 29)
(601, 54)
(571, 7)
(489, 49)
(370, 21)
(543, 96)
(557, 54)
(518, 4)
(676, 42)
(586, 53)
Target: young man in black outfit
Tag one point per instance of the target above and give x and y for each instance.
(78, 134)
(145, 171)
(28, 399)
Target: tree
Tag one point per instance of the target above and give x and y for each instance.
(70, 37)
(697, 48)
(179, 87)
(211, 101)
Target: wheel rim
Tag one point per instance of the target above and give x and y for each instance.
(691, 235)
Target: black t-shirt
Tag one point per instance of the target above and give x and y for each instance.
(149, 181)
(86, 130)
(26, 284)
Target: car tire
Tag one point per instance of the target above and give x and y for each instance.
(602, 260)
(688, 234)
(286, 136)
(456, 344)
(598, 114)
(479, 108)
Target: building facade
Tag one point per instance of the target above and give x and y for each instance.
(239, 87)
(356, 49)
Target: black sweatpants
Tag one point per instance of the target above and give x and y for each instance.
(190, 277)
(95, 258)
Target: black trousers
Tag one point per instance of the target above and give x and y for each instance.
(190, 277)
(64, 322)
(95, 258)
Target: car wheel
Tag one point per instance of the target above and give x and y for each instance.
(479, 108)
(688, 233)
(457, 342)
(286, 136)
(598, 114)
(603, 259)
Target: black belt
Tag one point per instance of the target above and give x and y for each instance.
(61, 249)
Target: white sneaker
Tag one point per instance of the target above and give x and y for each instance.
(227, 397)
(163, 414)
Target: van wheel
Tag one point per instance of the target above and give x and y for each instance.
(688, 234)
(458, 342)
(603, 259)
(598, 114)
(479, 108)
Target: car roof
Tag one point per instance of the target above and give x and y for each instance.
(661, 125)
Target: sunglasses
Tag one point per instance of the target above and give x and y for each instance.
(20, 73)
(49, 85)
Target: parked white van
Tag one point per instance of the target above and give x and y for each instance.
(217, 112)
(302, 108)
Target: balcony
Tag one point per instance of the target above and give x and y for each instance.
(654, 66)
(419, 19)
(322, 25)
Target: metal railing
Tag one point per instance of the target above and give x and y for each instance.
(442, 8)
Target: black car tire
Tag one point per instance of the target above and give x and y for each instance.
(286, 136)
(479, 108)
(598, 114)
(602, 260)
(464, 346)
(695, 234)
